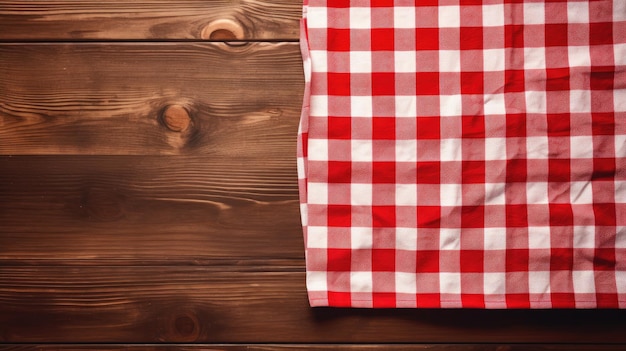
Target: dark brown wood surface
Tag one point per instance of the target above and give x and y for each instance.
(243, 100)
(148, 192)
(226, 304)
(63, 20)
(177, 209)
(317, 347)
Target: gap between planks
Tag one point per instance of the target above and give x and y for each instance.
(317, 347)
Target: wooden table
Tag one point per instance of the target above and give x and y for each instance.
(148, 193)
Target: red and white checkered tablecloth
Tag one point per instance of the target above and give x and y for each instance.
(464, 153)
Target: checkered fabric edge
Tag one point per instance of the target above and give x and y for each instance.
(464, 153)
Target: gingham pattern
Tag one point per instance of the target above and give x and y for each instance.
(464, 153)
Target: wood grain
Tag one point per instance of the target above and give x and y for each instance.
(148, 196)
(175, 209)
(315, 347)
(39, 20)
(242, 101)
(196, 304)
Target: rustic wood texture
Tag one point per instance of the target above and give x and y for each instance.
(148, 192)
(314, 347)
(37, 20)
(204, 304)
(111, 99)
(188, 209)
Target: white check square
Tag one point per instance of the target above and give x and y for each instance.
(578, 12)
(579, 56)
(539, 282)
(539, 237)
(495, 238)
(534, 13)
(361, 282)
(449, 61)
(406, 150)
(450, 194)
(406, 195)
(317, 193)
(404, 17)
(319, 60)
(494, 60)
(317, 237)
(318, 150)
(316, 280)
(361, 106)
(536, 101)
(360, 17)
(534, 58)
(450, 105)
(493, 15)
(318, 106)
(317, 17)
(494, 283)
(449, 16)
(406, 283)
(584, 282)
(405, 61)
(406, 239)
(360, 61)
(361, 150)
(450, 283)
(584, 237)
(361, 238)
(361, 194)
(580, 101)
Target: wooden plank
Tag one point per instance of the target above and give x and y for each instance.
(147, 99)
(149, 19)
(174, 209)
(200, 305)
(313, 347)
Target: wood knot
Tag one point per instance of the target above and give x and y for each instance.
(223, 30)
(102, 204)
(176, 118)
(184, 327)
